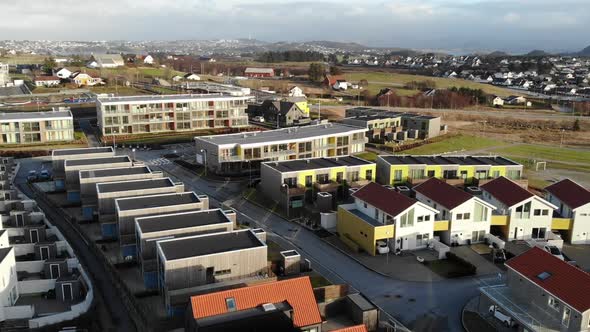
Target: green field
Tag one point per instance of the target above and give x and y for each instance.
(367, 155)
(456, 143)
(399, 80)
(543, 152)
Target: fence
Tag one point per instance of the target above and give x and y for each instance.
(495, 240)
(441, 248)
(36, 286)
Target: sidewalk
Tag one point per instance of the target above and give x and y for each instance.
(404, 267)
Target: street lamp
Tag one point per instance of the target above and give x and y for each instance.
(204, 152)
(133, 150)
(288, 201)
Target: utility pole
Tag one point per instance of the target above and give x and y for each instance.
(320, 110)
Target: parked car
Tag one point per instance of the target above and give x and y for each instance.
(505, 319)
(32, 176)
(382, 247)
(44, 175)
(553, 250)
(258, 118)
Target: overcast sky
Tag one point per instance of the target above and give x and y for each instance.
(514, 25)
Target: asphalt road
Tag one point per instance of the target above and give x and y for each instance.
(120, 319)
(437, 305)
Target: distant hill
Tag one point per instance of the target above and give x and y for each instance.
(498, 54)
(538, 53)
(585, 52)
(332, 44)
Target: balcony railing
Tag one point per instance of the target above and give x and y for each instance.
(358, 183)
(230, 158)
(294, 191)
(499, 220)
(327, 186)
(441, 225)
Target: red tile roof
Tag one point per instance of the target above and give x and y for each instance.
(47, 78)
(443, 193)
(332, 79)
(506, 191)
(570, 193)
(356, 328)
(387, 200)
(566, 282)
(297, 292)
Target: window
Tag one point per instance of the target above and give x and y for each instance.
(230, 302)
(565, 321)
(427, 218)
(365, 205)
(397, 175)
(537, 212)
(420, 218)
(539, 233)
(459, 216)
(480, 213)
(308, 180)
(369, 175)
(553, 303)
(222, 272)
(523, 211)
(466, 216)
(545, 212)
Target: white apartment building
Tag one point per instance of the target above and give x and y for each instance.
(462, 218)
(36, 127)
(519, 214)
(239, 153)
(130, 115)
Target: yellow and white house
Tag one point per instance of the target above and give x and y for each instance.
(572, 217)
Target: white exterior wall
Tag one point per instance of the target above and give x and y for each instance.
(8, 282)
(525, 226)
(581, 230)
(462, 230)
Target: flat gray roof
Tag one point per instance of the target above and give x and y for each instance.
(99, 173)
(97, 161)
(181, 220)
(70, 152)
(209, 244)
(154, 201)
(449, 160)
(315, 163)
(134, 185)
(32, 116)
(166, 98)
(285, 134)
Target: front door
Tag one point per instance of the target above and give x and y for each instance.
(209, 275)
(34, 235)
(516, 233)
(67, 292)
(54, 270)
(44, 253)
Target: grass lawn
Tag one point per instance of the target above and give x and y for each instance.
(23, 59)
(367, 155)
(441, 83)
(545, 152)
(456, 143)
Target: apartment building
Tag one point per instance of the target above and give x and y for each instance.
(89, 179)
(107, 193)
(170, 113)
(462, 219)
(290, 181)
(379, 127)
(73, 167)
(192, 261)
(151, 229)
(542, 293)
(58, 158)
(456, 170)
(519, 214)
(426, 126)
(286, 305)
(572, 217)
(382, 214)
(226, 154)
(128, 209)
(36, 127)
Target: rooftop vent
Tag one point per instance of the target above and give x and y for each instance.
(268, 307)
(402, 188)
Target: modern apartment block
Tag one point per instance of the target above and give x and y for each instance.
(153, 228)
(572, 217)
(462, 219)
(107, 193)
(58, 158)
(128, 209)
(292, 180)
(188, 262)
(72, 169)
(234, 153)
(170, 113)
(89, 179)
(519, 214)
(382, 214)
(542, 293)
(36, 127)
(426, 126)
(456, 170)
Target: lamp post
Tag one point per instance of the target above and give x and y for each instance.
(133, 150)
(288, 202)
(204, 152)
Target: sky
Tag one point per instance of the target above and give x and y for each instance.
(509, 25)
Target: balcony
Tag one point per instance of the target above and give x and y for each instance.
(294, 190)
(358, 183)
(441, 225)
(276, 154)
(325, 146)
(500, 220)
(363, 140)
(327, 186)
(563, 224)
(230, 158)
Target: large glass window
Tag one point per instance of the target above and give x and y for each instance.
(480, 213)
(397, 175)
(539, 233)
(523, 211)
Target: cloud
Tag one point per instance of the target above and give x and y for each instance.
(493, 24)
